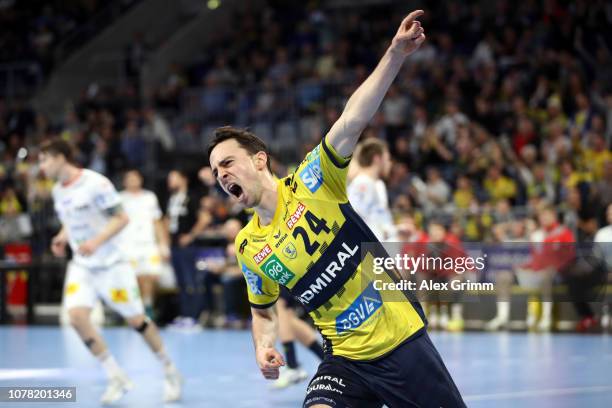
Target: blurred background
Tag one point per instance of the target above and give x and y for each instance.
(500, 133)
(506, 107)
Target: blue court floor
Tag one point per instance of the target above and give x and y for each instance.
(491, 370)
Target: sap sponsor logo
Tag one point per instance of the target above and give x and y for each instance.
(253, 280)
(295, 217)
(277, 271)
(311, 175)
(359, 311)
(329, 274)
(289, 251)
(261, 255)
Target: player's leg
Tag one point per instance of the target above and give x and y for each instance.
(80, 297)
(340, 384)
(119, 288)
(147, 284)
(545, 323)
(413, 375)
(148, 270)
(292, 373)
(178, 266)
(504, 281)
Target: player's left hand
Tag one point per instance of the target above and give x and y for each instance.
(88, 247)
(410, 35)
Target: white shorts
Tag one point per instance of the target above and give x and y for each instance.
(115, 285)
(145, 261)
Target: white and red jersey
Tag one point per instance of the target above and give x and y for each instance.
(81, 206)
(554, 250)
(369, 199)
(603, 240)
(143, 209)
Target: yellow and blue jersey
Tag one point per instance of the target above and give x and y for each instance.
(313, 246)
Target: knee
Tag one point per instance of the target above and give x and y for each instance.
(139, 323)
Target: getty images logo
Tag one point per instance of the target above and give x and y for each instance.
(329, 274)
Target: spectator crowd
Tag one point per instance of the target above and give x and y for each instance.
(507, 108)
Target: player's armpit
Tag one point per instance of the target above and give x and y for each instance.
(114, 210)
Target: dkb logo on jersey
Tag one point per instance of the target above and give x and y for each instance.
(359, 311)
(253, 280)
(312, 176)
(277, 271)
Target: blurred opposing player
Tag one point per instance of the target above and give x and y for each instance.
(305, 236)
(367, 192)
(91, 214)
(144, 238)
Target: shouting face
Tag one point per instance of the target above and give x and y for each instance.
(238, 172)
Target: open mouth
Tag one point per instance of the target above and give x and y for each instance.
(234, 189)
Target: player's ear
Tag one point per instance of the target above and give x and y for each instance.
(261, 160)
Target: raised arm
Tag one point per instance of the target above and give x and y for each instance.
(364, 103)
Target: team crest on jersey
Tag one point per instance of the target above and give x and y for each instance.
(263, 254)
(277, 271)
(72, 288)
(312, 175)
(295, 217)
(253, 280)
(289, 251)
(119, 295)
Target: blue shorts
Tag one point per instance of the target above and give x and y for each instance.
(412, 375)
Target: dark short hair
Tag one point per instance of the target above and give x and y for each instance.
(246, 139)
(57, 147)
(369, 149)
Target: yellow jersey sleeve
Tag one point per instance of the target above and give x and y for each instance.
(323, 173)
(262, 291)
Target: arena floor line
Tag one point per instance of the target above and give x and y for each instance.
(492, 370)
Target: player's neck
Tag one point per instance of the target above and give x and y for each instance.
(371, 172)
(268, 203)
(69, 175)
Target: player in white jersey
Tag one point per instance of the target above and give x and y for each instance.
(144, 238)
(91, 214)
(367, 191)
